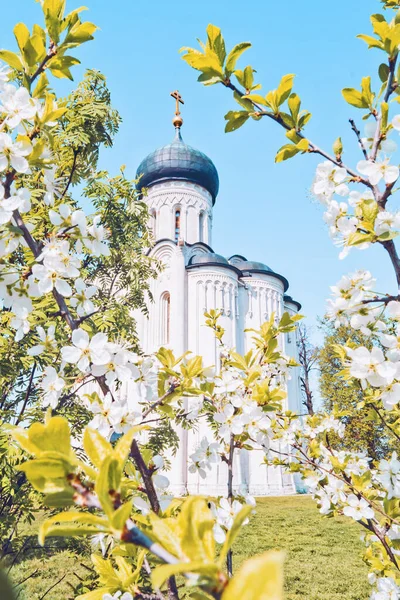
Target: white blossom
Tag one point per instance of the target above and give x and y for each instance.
(81, 300)
(358, 508)
(329, 179)
(13, 154)
(386, 589)
(370, 366)
(52, 385)
(17, 105)
(85, 350)
(48, 341)
(375, 171)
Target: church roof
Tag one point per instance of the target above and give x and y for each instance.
(207, 258)
(178, 161)
(287, 298)
(236, 262)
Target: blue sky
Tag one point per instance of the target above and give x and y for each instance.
(264, 211)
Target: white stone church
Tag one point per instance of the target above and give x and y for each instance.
(182, 187)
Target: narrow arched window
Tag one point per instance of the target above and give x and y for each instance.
(177, 224)
(201, 227)
(154, 224)
(165, 318)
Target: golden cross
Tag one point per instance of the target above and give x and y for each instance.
(178, 99)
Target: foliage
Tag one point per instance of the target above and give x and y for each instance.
(69, 282)
(364, 429)
(356, 200)
(73, 129)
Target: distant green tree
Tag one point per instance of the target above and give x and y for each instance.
(364, 428)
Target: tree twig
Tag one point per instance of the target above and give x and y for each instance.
(358, 135)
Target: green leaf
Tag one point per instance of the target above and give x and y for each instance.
(53, 12)
(369, 210)
(367, 94)
(284, 88)
(41, 86)
(354, 98)
(303, 145)
(34, 50)
(123, 445)
(47, 475)
(106, 571)
(233, 532)
(12, 59)
(387, 235)
(96, 447)
(234, 55)
(294, 106)
(235, 118)
(60, 66)
(287, 151)
(359, 238)
(107, 483)
(22, 35)
(248, 77)
(259, 578)
(383, 72)
(215, 42)
(256, 98)
(97, 594)
(121, 515)
(160, 574)
(80, 33)
(197, 526)
(371, 41)
(303, 120)
(53, 435)
(60, 499)
(70, 522)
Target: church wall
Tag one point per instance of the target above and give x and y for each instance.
(210, 288)
(291, 348)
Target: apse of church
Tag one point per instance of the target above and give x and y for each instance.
(182, 187)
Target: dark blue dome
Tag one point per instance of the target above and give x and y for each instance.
(180, 162)
(208, 258)
(252, 265)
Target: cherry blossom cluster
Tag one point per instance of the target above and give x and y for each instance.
(224, 512)
(345, 218)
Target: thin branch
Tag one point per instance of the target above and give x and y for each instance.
(27, 394)
(146, 476)
(394, 257)
(71, 174)
(160, 401)
(385, 423)
(389, 90)
(381, 299)
(313, 148)
(53, 586)
(358, 135)
(51, 53)
(229, 556)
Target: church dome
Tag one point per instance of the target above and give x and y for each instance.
(178, 161)
(252, 265)
(208, 258)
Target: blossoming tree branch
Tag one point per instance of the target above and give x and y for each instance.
(68, 281)
(357, 201)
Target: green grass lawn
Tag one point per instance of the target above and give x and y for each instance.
(322, 555)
